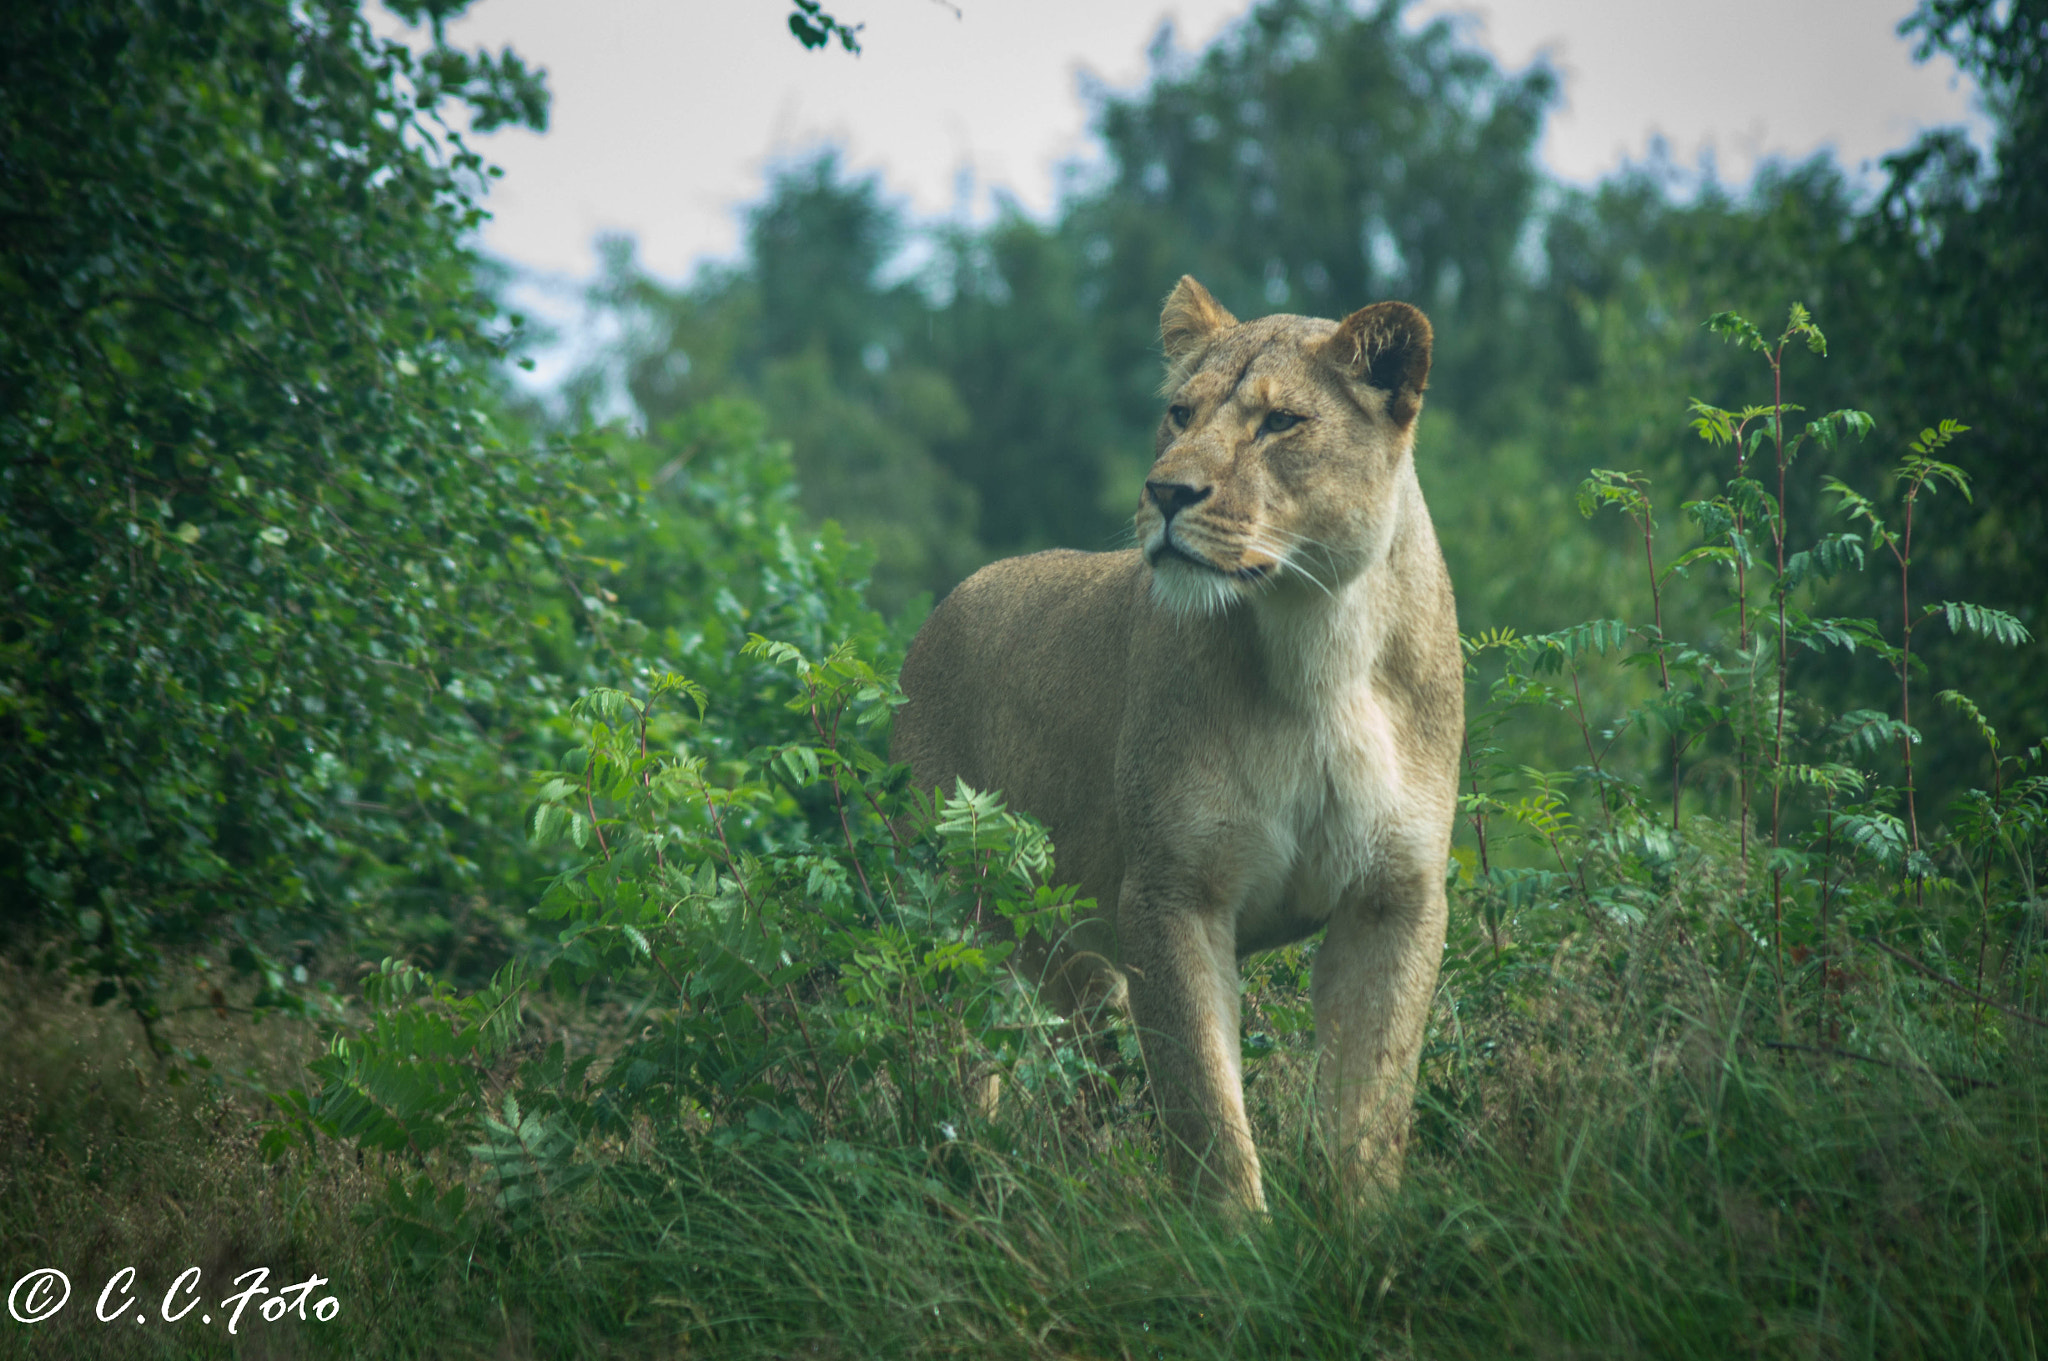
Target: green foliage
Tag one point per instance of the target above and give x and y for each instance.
(708, 549)
(802, 945)
(425, 1054)
(1821, 813)
(811, 336)
(1001, 400)
(264, 549)
(292, 603)
(810, 25)
(1313, 160)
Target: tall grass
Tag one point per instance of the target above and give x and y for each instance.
(1618, 1163)
(1612, 1170)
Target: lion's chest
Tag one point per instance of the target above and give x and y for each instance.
(1332, 816)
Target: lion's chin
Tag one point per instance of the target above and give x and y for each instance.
(1184, 587)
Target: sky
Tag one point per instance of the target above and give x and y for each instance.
(669, 115)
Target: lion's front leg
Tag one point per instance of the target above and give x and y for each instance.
(1375, 975)
(1182, 971)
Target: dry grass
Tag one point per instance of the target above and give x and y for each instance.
(104, 1164)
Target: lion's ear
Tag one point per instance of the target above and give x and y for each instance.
(1190, 319)
(1385, 346)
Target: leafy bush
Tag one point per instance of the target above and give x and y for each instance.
(292, 605)
(265, 553)
(806, 957)
(1827, 844)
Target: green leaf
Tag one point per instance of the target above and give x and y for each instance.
(1985, 622)
(1966, 706)
(1932, 440)
(1736, 329)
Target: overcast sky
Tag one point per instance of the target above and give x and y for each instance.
(668, 114)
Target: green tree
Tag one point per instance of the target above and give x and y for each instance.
(1313, 160)
(1951, 267)
(1937, 299)
(269, 565)
(1019, 342)
(808, 327)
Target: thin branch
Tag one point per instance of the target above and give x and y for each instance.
(831, 741)
(1919, 1068)
(591, 808)
(1963, 988)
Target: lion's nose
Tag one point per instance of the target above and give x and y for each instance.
(1174, 497)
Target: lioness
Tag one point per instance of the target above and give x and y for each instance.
(1240, 732)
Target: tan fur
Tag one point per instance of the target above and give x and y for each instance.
(1243, 731)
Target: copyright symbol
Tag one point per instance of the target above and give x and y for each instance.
(38, 1295)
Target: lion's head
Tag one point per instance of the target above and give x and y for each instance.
(1281, 450)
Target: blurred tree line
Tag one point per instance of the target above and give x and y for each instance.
(996, 394)
(298, 584)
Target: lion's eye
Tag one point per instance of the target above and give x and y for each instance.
(1276, 421)
(1179, 415)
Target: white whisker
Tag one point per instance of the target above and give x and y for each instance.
(1288, 559)
(1294, 540)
